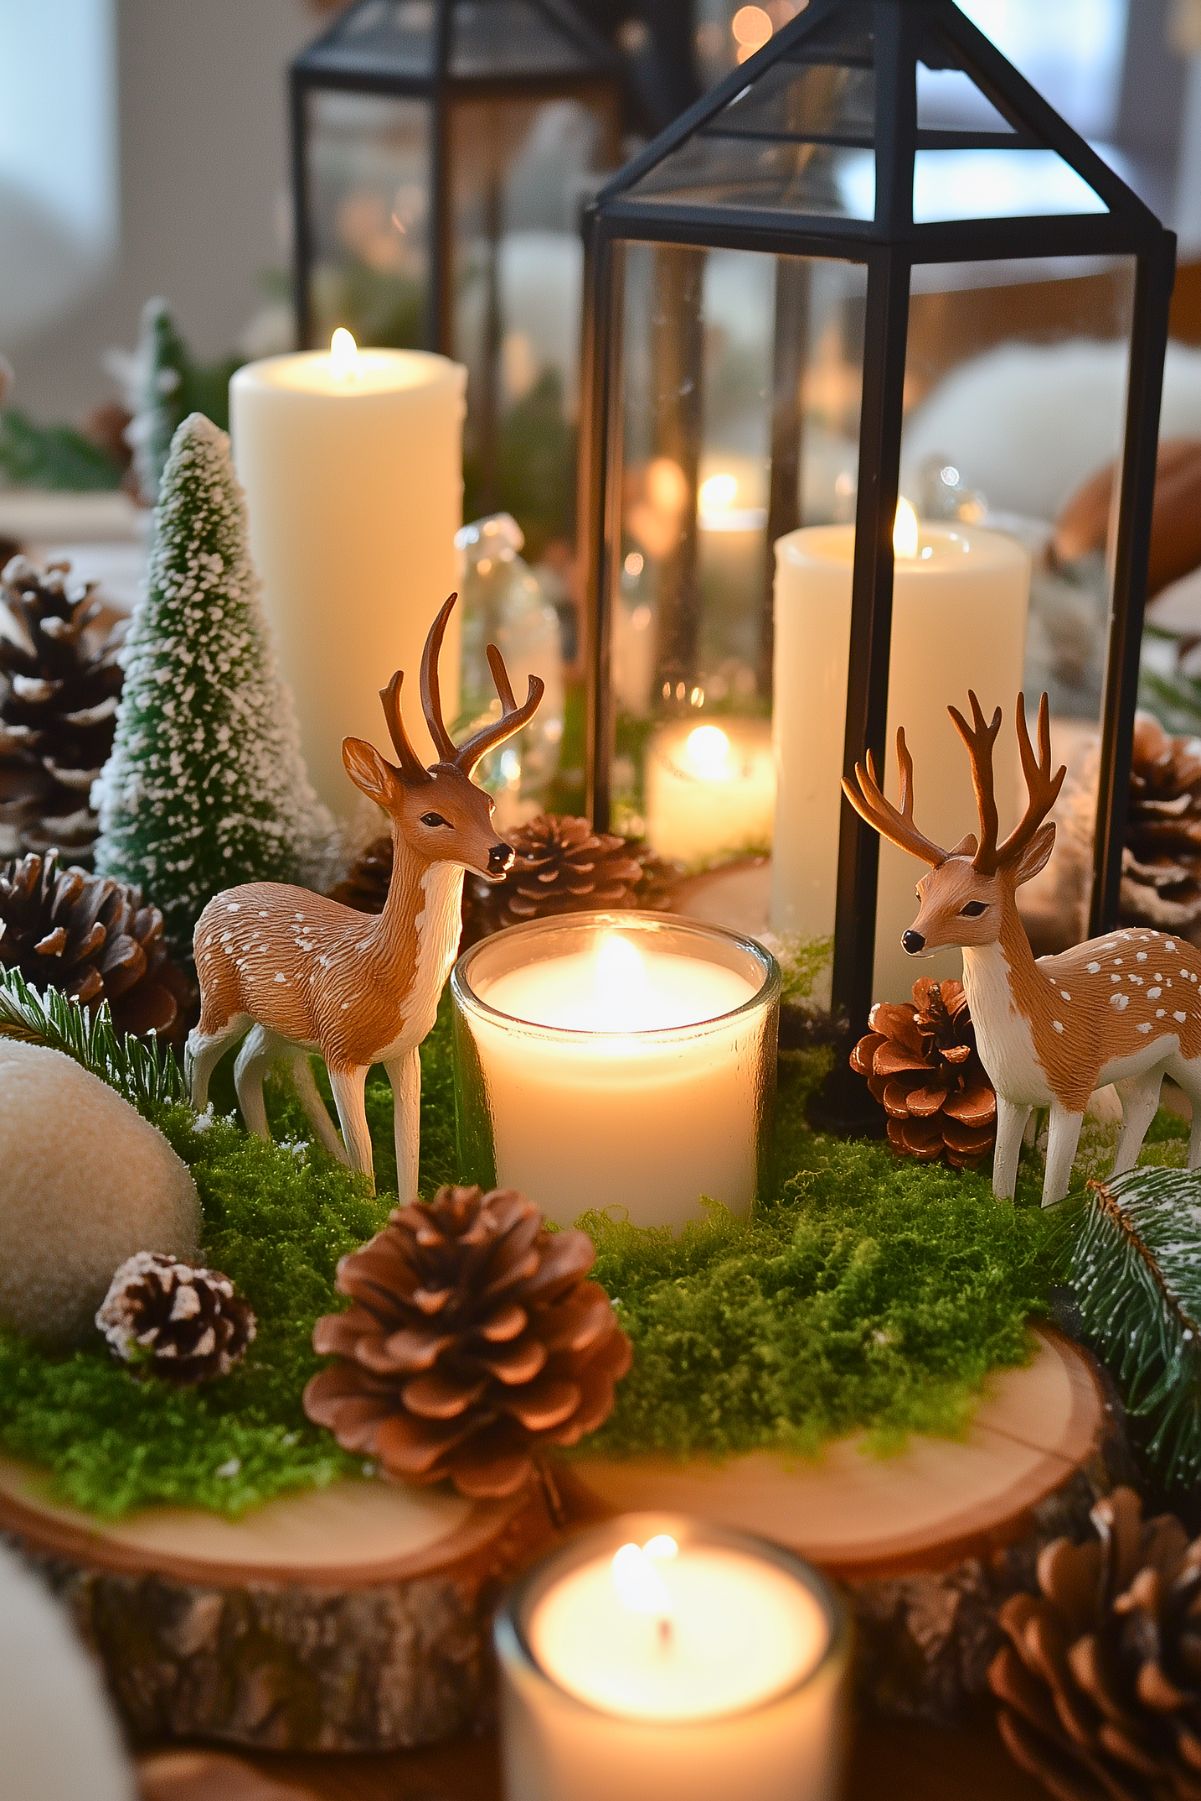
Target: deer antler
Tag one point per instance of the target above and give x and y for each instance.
(431, 696)
(979, 737)
(411, 766)
(1042, 787)
(512, 716)
(867, 797)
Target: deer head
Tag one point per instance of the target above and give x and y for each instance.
(964, 899)
(438, 813)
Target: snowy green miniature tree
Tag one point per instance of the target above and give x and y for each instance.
(157, 396)
(205, 787)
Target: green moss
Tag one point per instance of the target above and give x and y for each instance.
(867, 1293)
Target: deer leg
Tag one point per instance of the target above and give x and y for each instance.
(348, 1086)
(1011, 1124)
(1188, 1074)
(254, 1059)
(1140, 1099)
(316, 1112)
(404, 1073)
(1062, 1140)
(203, 1053)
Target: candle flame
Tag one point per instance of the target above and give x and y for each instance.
(717, 493)
(636, 1577)
(343, 352)
(906, 531)
(707, 754)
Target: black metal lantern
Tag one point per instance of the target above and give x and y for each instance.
(872, 265)
(442, 151)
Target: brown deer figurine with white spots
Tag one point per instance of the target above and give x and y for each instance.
(291, 972)
(1124, 1008)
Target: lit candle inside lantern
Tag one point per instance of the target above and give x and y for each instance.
(960, 600)
(352, 464)
(710, 787)
(697, 1663)
(621, 1060)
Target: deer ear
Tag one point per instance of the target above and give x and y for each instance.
(369, 772)
(967, 846)
(1035, 855)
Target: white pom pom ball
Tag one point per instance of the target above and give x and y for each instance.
(85, 1182)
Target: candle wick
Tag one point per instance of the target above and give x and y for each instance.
(665, 1631)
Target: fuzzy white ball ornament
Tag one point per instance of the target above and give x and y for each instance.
(84, 1183)
(58, 1738)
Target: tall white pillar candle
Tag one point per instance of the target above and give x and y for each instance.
(683, 1664)
(960, 599)
(352, 465)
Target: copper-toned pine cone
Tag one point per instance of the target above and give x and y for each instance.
(562, 865)
(1099, 1680)
(922, 1065)
(1161, 859)
(473, 1341)
(167, 1318)
(94, 939)
(59, 685)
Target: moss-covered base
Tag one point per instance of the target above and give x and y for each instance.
(867, 1293)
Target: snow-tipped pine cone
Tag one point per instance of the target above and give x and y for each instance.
(170, 1319)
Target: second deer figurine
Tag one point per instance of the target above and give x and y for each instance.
(1124, 1008)
(290, 972)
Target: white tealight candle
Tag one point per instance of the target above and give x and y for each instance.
(960, 598)
(710, 787)
(352, 464)
(617, 1060)
(677, 1661)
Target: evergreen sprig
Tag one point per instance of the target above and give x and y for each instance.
(147, 1076)
(1136, 1270)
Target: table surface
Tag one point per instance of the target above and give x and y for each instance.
(899, 1762)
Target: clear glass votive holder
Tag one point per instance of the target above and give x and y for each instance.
(620, 1060)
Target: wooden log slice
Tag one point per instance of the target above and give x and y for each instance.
(353, 1618)
(927, 1542)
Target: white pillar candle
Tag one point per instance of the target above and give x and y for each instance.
(683, 1664)
(960, 599)
(710, 787)
(622, 1060)
(352, 465)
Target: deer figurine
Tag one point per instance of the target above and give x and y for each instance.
(290, 972)
(1124, 1008)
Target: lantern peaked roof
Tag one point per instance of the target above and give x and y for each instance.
(877, 122)
(416, 46)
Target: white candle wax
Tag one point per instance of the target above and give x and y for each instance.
(959, 621)
(622, 1074)
(710, 787)
(352, 465)
(706, 1669)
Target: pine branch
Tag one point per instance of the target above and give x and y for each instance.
(136, 1068)
(1136, 1270)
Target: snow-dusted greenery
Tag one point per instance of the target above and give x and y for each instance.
(205, 787)
(156, 399)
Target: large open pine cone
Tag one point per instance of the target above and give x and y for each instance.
(1161, 859)
(170, 1319)
(1099, 1682)
(472, 1341)
(59, 686)
(561, 864)
(95, 940)
(923, 1067)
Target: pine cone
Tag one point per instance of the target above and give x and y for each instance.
(94, 939)
(186, 1325)
(365, 885)
(561, 865)
(1161, 859)
(59, 686)
(472, 1341)
(1099, 1683)
(922, 1065)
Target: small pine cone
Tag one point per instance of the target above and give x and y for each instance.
(365, 885)
(562, 865)
(1099, 1682)
(186, 1325)
(1161, 859)
(59, 686)
(94, 939)
(922, 1065)
(472, 1342)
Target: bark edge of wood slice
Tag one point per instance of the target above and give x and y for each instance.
(928, 1542)
(351, 1618)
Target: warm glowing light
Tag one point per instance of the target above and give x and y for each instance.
(639, 1585)
(751, 27)
(906, 532)
(707, 754)
(343, 352)
(717, 493)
